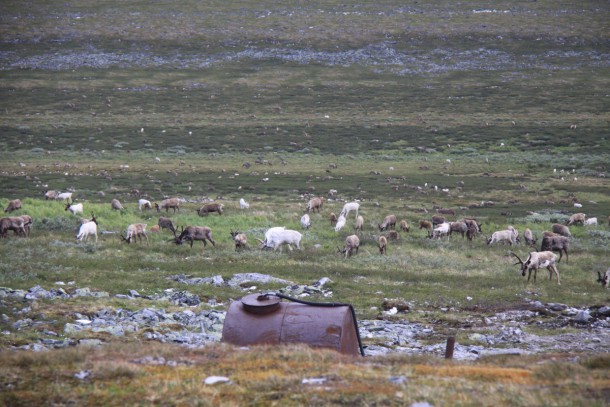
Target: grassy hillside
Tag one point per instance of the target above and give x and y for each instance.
(499, 112)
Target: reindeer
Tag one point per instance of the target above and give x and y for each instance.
(315, 204)
(537, 260)
(116, 205)
(577, 218)
(134, 231)
(474, 228)
(240, 240)
(424, 224)
(562, 230)
(389, 222)
(352, 244)
(173, 203)
(458, 227)
(332, 218)
(74, 209)
(530, 240)
(382, 243)
(359, 224)
(437, 220)
(404, 226)
(87, 229)
(166, 223)
(16, 224)
(555, 243)
(210, 208)
(13, 205)
(192, 233)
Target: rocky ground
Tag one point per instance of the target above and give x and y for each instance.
(382, 56)
(565, 329)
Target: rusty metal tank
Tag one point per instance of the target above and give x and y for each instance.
(264, 319)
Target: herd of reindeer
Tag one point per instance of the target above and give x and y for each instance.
(557, 240)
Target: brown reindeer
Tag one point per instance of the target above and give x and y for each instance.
(210, 208)
(166, 204)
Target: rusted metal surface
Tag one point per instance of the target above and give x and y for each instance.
(255, 320)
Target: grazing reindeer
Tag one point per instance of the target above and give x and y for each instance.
(348, 207)
(315, 204)
(116, 205)
(173, 203)
(340, 223)
(458, 227)
(144, 203)
(134, 231)
(577, 218)
(474, 228)
(332, 218)
(392, 235)
(537, 260)
(76, 208)
(210, 208)
(305, 221)
(404, 226)
(389, 222)
(530, 240)
(13, 205)
(506, 235)
(192, 233)
(87, 229)
(166, 223)
(382, 243)
(424, 224)
(555, 243)
(352, 244)
(437, 220)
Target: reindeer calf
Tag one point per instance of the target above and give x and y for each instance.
(240, 240)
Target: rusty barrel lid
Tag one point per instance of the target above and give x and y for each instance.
(260, 303)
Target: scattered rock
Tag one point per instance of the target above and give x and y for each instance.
(83, 374)
(211, 380)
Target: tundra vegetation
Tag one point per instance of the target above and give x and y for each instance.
(500, 114)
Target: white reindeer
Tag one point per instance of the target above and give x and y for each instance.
(279, 237)
(87, 229)
(591, 222)
(144, 203)
(77, 208)
(305, 221)
(340, 223)
(243, 204)
(348, 207)
(65, 196)
(503, 236)
(441, 230)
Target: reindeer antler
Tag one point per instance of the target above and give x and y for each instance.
(520, 261)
